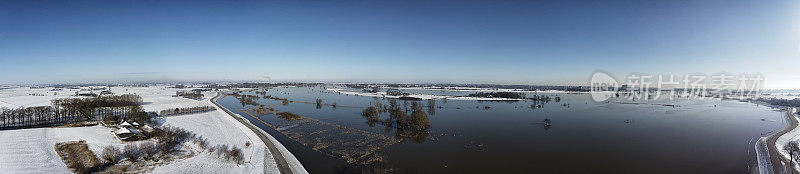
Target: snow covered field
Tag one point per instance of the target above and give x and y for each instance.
(24, 96)
(33, 150)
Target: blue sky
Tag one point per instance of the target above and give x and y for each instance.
(506, 42)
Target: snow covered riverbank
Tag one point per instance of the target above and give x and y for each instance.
(793, 135)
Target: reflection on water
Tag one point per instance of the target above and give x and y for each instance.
(459, 136)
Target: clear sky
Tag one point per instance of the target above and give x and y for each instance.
(505, 42)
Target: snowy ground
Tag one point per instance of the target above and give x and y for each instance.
(26, 97)
(793, 135)
(33, 150)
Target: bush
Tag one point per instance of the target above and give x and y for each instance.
(235, 155)
(117, 169)
(148, 149)
(158, 133)
(110, 155)
(132, 152)
(169, 138)
(223, 151)
(370, 112)
(202, 142)
(166, 146)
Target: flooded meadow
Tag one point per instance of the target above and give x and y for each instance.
(342, 130)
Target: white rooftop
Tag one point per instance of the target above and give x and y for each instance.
(123, 131)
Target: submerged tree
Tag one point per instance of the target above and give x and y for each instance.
(413, 125)
(371, 114)
(418, 120)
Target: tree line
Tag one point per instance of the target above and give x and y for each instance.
(514, 95)
(781, 102)
(188, 110)
(72, 110)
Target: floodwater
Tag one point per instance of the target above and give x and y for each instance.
(459, 136)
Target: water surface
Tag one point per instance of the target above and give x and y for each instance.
(619, 136)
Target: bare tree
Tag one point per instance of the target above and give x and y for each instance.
(792, 148)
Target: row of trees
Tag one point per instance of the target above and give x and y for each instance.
(514, 95)
(195, 95)
(395, 92)
(782, 102)
(110, 108)
(188, 110)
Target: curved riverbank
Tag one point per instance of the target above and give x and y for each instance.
(286, 162)
(777, 160)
